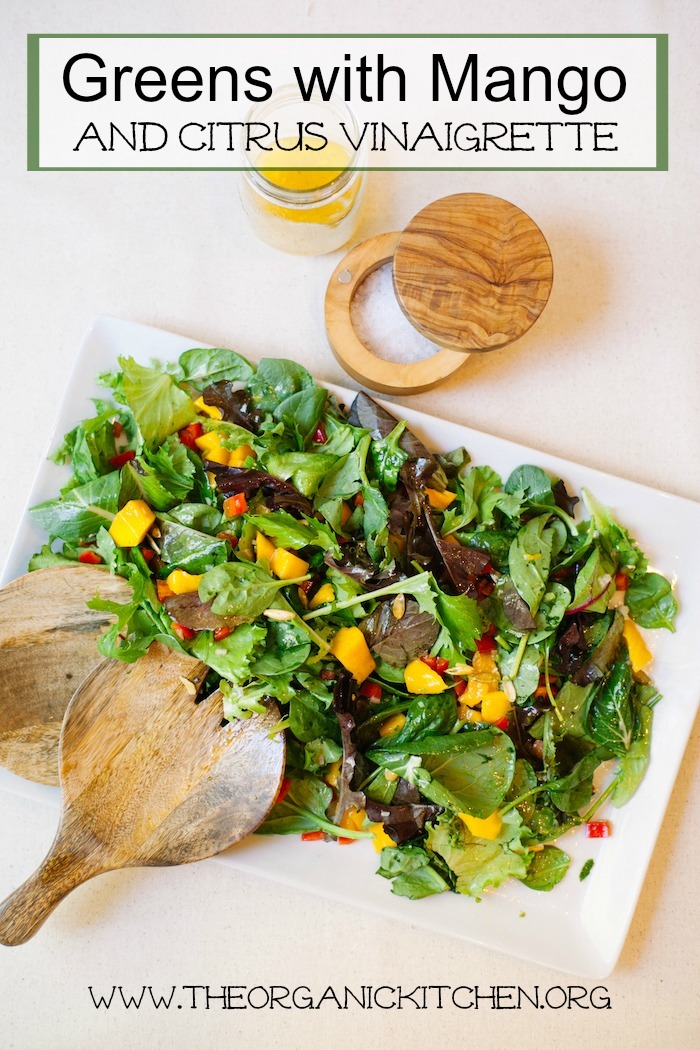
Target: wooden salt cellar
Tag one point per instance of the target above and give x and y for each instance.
(471, 272)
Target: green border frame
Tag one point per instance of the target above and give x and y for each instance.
(33, 101)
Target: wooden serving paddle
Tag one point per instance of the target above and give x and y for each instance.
(48, 645)
(149, 777)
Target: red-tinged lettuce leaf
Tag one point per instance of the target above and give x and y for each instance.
(357, 565)
(402, 822)
(421, 463)
(236, 405)
(345, 696)
(279, 494)
(189, 611)
(461, 566)
(398, 641)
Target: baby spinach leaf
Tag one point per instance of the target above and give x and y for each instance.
(633, 764)
(159, 406)
(201, 367)
(611, 717)
(426, 716)
(388, 457)
(573, 791)
(307, 718)
(287, 648)
(573, 702)
(650, 601)
(529, 560)
(82, 511)
(412, 873)
(301, 412)
(527, 669)
(459, 614)
(306, 470)
(548, 866)
(185, 548)
(532, 482)
(198, 516)
(276, 379)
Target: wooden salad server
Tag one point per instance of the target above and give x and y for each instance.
(149, 777)
(48, 645)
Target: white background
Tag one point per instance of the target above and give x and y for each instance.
(64, 121)
(609, 376)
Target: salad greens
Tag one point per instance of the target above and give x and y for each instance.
(456, 655)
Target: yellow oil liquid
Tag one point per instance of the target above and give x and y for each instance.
(301, 179)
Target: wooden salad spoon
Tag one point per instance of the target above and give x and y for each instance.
(48, 645)
(149, 777)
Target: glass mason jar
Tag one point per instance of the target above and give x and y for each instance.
(295, 208)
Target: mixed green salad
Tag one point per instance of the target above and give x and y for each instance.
(456, 657)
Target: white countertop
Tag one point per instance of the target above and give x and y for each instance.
(609, 377)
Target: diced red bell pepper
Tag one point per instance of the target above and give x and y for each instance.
(486, 644)
(307, 585)
(148, 554)
(222, 632)
(188, 435)
(121, 458)
(117, 428)
(319, 437)
(312, 836)
(371, 690)
(622, 581)
(598, 829)
(186, 634)
(233, 540)
(342, 841)
(89, 558)
(486, 587)
(460, 686)
(502, 723)
(284, 788)
(491, 629)
(235, 505)
(431, 661)
(441, 664)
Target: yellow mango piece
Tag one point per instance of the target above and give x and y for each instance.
(208, 441)
(484, 663)
(324, 595)
(440, 500)
(217, 455)
(393, 724)
(353, 819)
(420, 678)
(264, 548)
(181, 582)
(483, 828)
(239, 455)
(351, 650)
(345, 514)
(495, 706)
(640, 654)
(467, 714)
(132, 523)
(479, 686)
(287, 566)
(332, 773)
(209, 410)
(381, 839)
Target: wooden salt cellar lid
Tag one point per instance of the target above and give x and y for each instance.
(471, 272)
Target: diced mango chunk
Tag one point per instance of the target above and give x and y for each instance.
(353, 819)
(440, 500)
(640, 654)
(217, 455)
(333, 772)
(287, 566)
(495, 706)
(163, 591)
(420, 678)
(181, 582)
(132, 523)
(239, 455)
(483, 828)
(393, 724)
(208, 441)
(264, 548)
(351, 649)
(484, 663)
(209, 410)
(324, 595)
(381, 840)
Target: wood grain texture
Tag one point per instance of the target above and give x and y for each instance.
(149, 777)
(472, 272)
(388, 377)
(48, 645)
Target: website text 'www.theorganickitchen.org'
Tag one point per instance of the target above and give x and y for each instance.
(362, 997)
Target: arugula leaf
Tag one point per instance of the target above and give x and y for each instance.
(138, 622)
(615, 540)
(241, 701)
(47, 558)
(239, 588)
(202, 367)
(290, 532)
(650, 601)
(159, 406)
(232, 656)
(82, 511)
(548, 866)
(90, 445)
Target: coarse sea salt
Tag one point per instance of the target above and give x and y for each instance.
(381, 324)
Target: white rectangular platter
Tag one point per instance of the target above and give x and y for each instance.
(578, 927)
